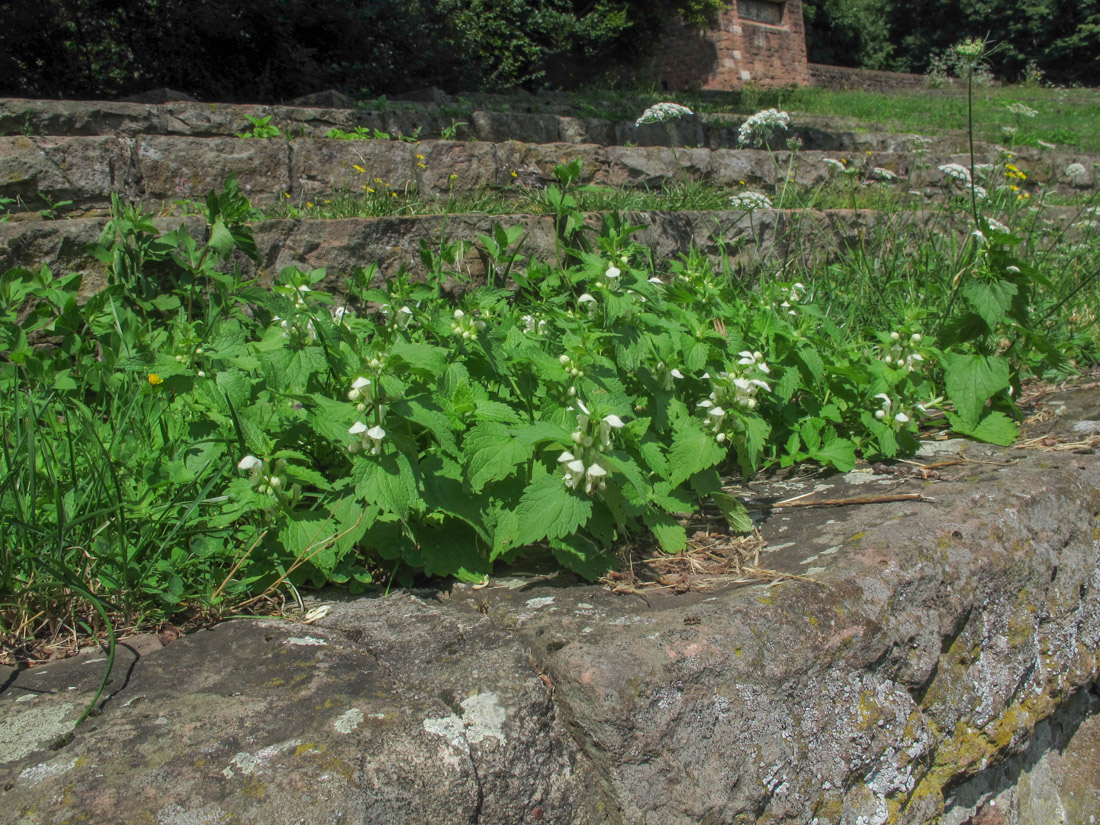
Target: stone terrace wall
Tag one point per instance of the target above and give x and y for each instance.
(738, 50)
(842, 77)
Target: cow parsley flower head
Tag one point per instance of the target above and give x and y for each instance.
(750, 201)
(759, 128)
(1020, 110)
(662, 113)
(1076, 172)
(956, 171)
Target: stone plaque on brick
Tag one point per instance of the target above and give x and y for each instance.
(761, 11)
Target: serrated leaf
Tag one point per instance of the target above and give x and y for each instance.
(221, 239)
(307, 475)
(971, 380)
(538, 432)
(492, 454)
(839, 453)
(390, 481)
(670, 534)
(425, 413)
(421, 357)
(693, 449)
(990, 299)
(785, 387)
(548, 509)
(735, 512)
(495, 411)
(581, 555)
(812, 361)
(236, 386)
(994, 428)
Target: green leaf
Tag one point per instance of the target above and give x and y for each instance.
(693, 449)
(994, 428)
(221, 239)
(421, 357)
(990, 299)
(971, 380)
(425, 413)
(492, 454)
(236, 386)
(389, 481)
(583, 556)
(788, 384)
(839, 453)
(670, 534)
(548, 509)
(737, 515)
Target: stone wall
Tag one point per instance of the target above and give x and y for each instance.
(842, 77)
(759, 41)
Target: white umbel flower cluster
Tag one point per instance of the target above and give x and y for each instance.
(759, 128)
(584, 468)
(662, 113)
(750, 201)
(956, 171)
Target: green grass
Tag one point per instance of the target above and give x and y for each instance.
(1066, 117)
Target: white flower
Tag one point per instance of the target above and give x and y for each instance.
(249, 463)
(759, 128)
(370, 438)
(404, 317)
(750, 201)
(656, 280)
(676, 374)
(662, 113)
(833, 163)
(1044, 145)
(1075, 171)
(886, 405)
(753, 359)
(883, 174)
(339, 313)
(980, 193)
(612, 273)
(956, 171)
(997, 226)
(1020, 110)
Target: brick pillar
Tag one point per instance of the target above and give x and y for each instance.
(762, 41)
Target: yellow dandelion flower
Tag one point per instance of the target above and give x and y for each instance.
(420, 157)
(378, 180)
(515, 174)
(358, 168)
(422, 166)
(309, 205)
(155, 379)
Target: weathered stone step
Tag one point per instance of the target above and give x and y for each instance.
(916, 647)
(192, 119)
(157, 170)
(751, 242)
